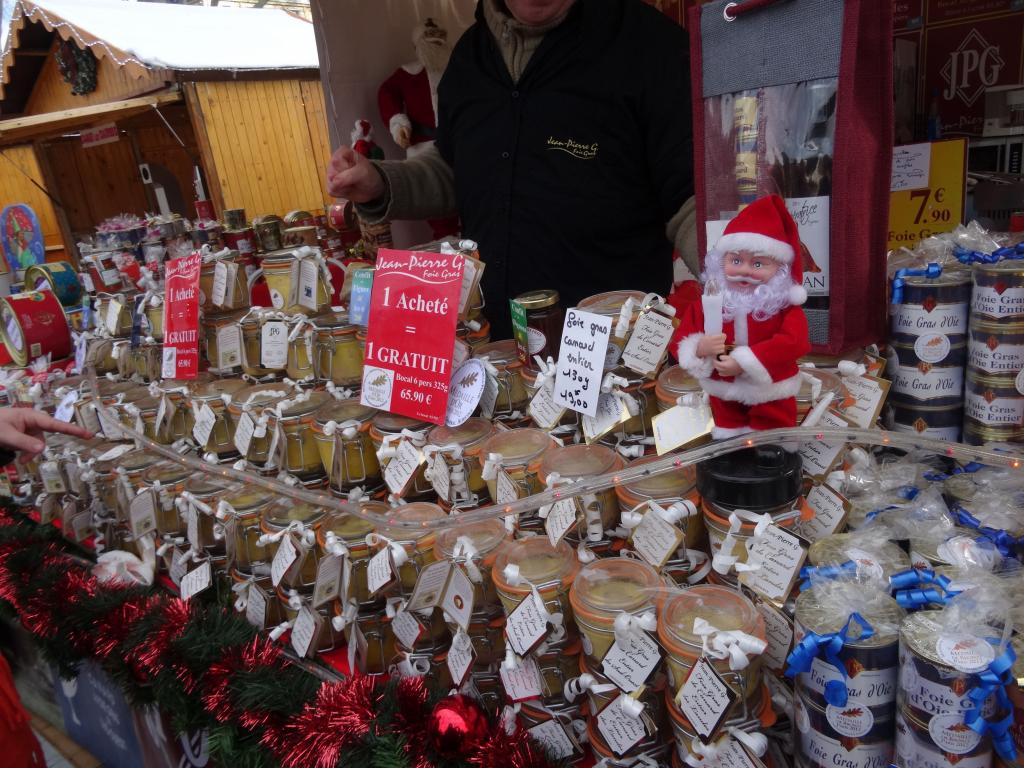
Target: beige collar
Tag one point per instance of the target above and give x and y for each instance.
(502, 23)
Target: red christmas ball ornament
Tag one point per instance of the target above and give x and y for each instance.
(457, 727)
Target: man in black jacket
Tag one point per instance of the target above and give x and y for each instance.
(564, 143)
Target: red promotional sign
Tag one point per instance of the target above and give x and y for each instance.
(411, 333)
(181, 318)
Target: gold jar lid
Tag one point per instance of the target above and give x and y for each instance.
(418, 512)
(614, 585)
(821, 609)
(259, 396)
(499, 353)
(340, 411)
(214, 389)
(353, 529)
(305, 407)
(518, 446)
(675, 382)
(539, 299)
(723, 608)
(539, 562)
(166, 473)
(468, 434)
(202, 486)
(281, 515)
(578, 461)
(669, 485)
(610, 303)
(392, 423)
(246, 499)
(485, 536)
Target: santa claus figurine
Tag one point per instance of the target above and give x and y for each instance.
(408, 99)
(743, 339)
(363, 143)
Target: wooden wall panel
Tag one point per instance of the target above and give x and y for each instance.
(17, 161)
(157, 146)
(113, 83)
(267, 143)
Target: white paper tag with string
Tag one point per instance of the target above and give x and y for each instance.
(284, 557)
(328, 580)
(305, 630)
(441, 477)
(526, 627)
(621, 730)
(544, 411)
(66, 408)
(561, 518)
(553, 736)
(309, 270)
(523, 681)
(195, 581)
(229, 347)
(243, 433)
(256, 607)
(648, 343)
(629, 666)
(656, 539)
(205, 421)
(678, 426)
(609, 414)
(705, 699)
(403, 465)
(459, 597)
(407, 629)
(430, 587)
(379, 571)
(461, 656)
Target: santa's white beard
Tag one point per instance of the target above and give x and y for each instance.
(433, 56)
(764, 301)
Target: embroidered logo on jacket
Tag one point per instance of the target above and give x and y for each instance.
(574, 148)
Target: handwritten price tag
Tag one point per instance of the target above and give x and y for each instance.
(581, 361)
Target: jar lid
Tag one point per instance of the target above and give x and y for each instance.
(817, 611)
(203, 485)
(765, 477)
(133, 461)
(280, 515)
(611, 302)
(417, 512)
(539, 299)
(340, 411)
(222, 321)
(874, 557)
(518, 446)
(334, 321)
(205, 377)
(674, 382)
(539, 562)
(830, 383)
(260, 395)
(722, 608)
(166, 472)
(578, 461)
(392, 423)
(498, 353)
(615, 584)
(214, 389)
(279, 256)
(136, 395)
(669, 485)
(353, 529)
(469, 433)
(315, 401)
(485, 536)
(246, 499)
(109, 388)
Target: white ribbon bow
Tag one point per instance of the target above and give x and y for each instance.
(389, 445)
(625, 320)
(464, 552)
(305, 534)
(492, 463)
(576, 686)
(724, 559)
(627, 626)
(241, 590)
(398, 554)
(547, 373)
(349, 429)
(515, 578)
(712, 755)
(334, 546)
(734, 645)
(612, 385)
(849, 368)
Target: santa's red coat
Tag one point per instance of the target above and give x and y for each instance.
(409, 94)
(769, 359)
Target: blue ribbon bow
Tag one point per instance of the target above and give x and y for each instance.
(965, 256)
(825, 572)
(876, 512)
(827, 646)
(932, 271)
(994, 681)
(969, 469)
(1001, 539)
(918, 587)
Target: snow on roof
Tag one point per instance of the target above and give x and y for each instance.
(181, 37)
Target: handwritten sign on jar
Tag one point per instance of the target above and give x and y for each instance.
(581, 361)
(411, 333)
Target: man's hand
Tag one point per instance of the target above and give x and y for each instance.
(21, 429)
(404, 137)
(352, 177)
(726, 366)
(711, 346)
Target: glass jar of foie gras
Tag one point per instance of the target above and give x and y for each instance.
(475, 545)
(666, 489)
(601, 509)
(623, 307)
(387, 431)
(544, 319)
(613, 601)
(129, 469)
(816, 384)
(535, 564)
(252, 402)
(873, 556)
(138, 411)
(212, 429)
(411, 549)
(222, 339)
(640, 399)
(345, 535)
(942, 654)
(115, 317)
(286, 274)
(297, 444)
(673, 383)
(341, 429)
(727, 742)
(469, 437)
(256, 361)
(518, 453)
(202, 492)
(244, 508)
(298, 523)
(178, 416)
(860, 693)
(292, 602)
(695, 618)
(167, 479)
(762, 480)
(337, 356)
(503, 357)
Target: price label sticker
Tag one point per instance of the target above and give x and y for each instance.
(562, 516)
(328, 580)
(205, 421)
(379, 571)
(705, 699)
(229, 347)
(195, 581)
(256, 607)
(621, 731)
(400, 470)
(274, 345)
(629, 666)
(526, 627)
(243, 433)
(284, 557)
(656, 539)
(523, 681)
(66, 408)
(407, 628)
(305, 630)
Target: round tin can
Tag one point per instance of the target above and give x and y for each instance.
(826, 740)
(941, 422)
(269, 235)
(875, 560)
(940, 549)
(871, 663)
(33, 324)
(928, 384)
(293, 237)
(944, 742)
(993, 402)
(999, 291)
(59, 277)
(930, 349)
(996, 348)
(234, 218)
(933, 305)
(300, 218)
(242, 240)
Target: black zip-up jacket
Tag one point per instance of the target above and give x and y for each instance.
(567, 178)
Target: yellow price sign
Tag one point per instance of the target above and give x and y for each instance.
(928, 183)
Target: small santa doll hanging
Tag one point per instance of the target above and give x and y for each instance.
(743, 339)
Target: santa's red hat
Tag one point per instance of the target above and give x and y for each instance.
(766, 227)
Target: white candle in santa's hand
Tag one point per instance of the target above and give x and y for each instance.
(740, 329)
(711, 304)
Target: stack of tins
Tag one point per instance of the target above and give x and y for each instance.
(858, 728)
(33, 325)
(994, 397)
(928, 342)
(61, 279)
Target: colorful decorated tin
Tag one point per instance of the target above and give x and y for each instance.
(60, 278)
(33, 325)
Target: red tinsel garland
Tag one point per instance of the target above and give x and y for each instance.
(217, 698)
